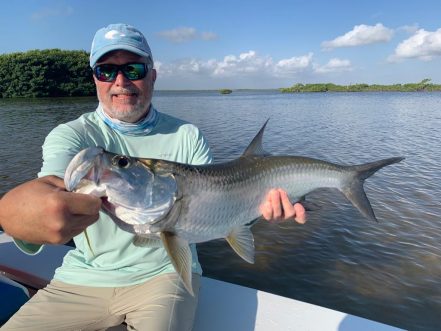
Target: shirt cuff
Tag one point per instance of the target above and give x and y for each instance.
(28, 248)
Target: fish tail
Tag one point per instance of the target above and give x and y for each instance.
(353, 189)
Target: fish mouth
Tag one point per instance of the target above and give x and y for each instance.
(84, 164)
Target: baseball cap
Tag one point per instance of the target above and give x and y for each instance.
(119, 36)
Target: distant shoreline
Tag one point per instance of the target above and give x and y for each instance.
(424, 86)
(280, 90)
(216, 91)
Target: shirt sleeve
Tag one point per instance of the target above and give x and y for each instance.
(59, 147)
(202, 153)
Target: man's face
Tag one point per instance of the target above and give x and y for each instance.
(124, 99)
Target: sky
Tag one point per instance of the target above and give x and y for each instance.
(245, 44)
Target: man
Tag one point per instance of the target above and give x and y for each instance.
(114, 281)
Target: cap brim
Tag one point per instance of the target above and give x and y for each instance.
(95, 57)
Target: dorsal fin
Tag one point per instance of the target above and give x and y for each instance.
(255, 148)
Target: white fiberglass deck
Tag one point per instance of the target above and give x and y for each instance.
(222, 306)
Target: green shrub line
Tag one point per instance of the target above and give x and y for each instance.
(424, 85)
(46, 73)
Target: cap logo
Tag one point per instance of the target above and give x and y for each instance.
(113, 34)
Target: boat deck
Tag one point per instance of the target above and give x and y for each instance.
(222, 306)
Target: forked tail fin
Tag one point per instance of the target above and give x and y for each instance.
(353, 190)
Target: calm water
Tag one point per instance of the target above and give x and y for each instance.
(389, 272)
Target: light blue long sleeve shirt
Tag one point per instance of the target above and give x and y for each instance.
(115, 261)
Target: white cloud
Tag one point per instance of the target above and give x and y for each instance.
(185, 34)
(248, 69)
(250, 64)
(59, 10)
(247, 64)
(423, 45)
(361, 35)
(334, 65)
(293, 65)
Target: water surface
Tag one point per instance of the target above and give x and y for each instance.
(388, 271)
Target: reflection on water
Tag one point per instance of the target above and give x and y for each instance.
(388, 271)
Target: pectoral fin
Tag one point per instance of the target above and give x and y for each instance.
(242, 241)
(180, 256)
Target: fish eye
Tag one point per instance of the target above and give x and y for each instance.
(121, 161)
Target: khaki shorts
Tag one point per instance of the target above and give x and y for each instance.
(161, 303)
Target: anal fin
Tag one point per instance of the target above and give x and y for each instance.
(242, 241)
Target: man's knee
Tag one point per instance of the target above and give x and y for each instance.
(172, 308)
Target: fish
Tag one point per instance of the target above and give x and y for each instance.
(178, 204)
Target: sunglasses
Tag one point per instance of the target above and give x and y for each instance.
(132, 71)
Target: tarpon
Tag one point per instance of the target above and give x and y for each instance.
(182, 204)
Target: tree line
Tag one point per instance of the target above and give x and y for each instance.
(46, 73)
(424, 85)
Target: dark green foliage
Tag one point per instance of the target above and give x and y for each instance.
(46, 73)
(424, 85)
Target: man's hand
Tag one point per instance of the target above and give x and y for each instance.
(277, 207)
(41, 211)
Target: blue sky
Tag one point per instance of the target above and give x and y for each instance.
(248, 44)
